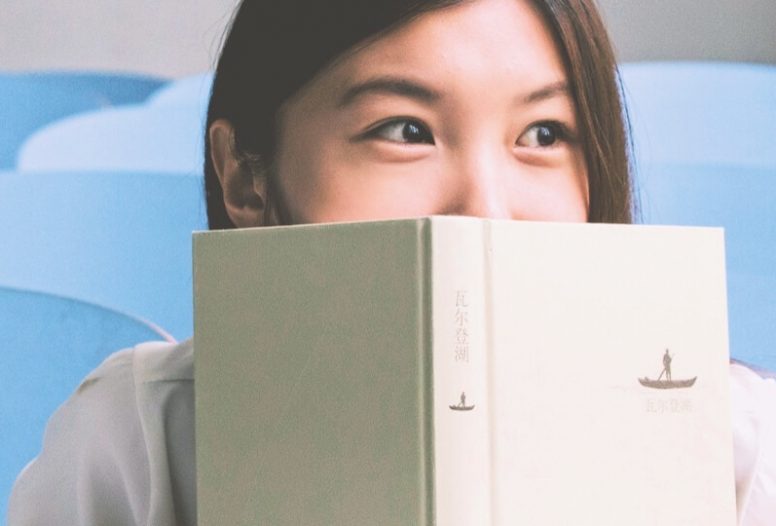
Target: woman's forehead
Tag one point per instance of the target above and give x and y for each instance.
(481, 40)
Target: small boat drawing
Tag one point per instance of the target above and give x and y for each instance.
(461, 405)
(668, 383)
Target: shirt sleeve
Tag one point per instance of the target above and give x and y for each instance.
(93, 467)
(120, 451)
(754, 439)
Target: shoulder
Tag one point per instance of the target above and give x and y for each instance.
(753, 396)
(105, 450)
(145, 363)
(163, 362)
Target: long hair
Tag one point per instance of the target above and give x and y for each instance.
(274, 47)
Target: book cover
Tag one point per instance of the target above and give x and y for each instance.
(462, 371)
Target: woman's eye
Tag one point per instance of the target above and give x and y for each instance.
(403, 131)
(542, 135)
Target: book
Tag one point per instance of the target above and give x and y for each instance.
(462, 371)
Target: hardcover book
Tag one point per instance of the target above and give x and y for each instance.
(462, 371)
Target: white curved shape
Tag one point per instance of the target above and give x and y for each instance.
(163, 138)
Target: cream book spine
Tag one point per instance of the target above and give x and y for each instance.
(460, 371)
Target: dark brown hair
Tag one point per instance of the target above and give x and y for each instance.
(274, 47)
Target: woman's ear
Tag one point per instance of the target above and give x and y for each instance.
(245, 194)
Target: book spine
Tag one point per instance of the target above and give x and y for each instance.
(462, 464)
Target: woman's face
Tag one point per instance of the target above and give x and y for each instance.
(464, 110)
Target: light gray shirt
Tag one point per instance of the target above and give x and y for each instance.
(121, 449)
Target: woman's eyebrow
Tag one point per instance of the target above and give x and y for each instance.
(389, 85)
(547, 92)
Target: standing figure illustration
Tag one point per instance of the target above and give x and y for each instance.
(461, 406)
(666, 366)
(669, 382)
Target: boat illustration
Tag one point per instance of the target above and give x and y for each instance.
(461, 405)
(668, 383)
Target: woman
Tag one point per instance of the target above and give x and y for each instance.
(330, 111)
(586, 97)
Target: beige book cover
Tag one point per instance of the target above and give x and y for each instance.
(462, 371)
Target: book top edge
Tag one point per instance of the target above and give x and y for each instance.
(438, 219)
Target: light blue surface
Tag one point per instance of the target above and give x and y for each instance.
(47, 345)
(742, 199)
(161, 138)
(193, 91)
(122, 240)
(163, 134)
(702, 112)
(29, 101)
